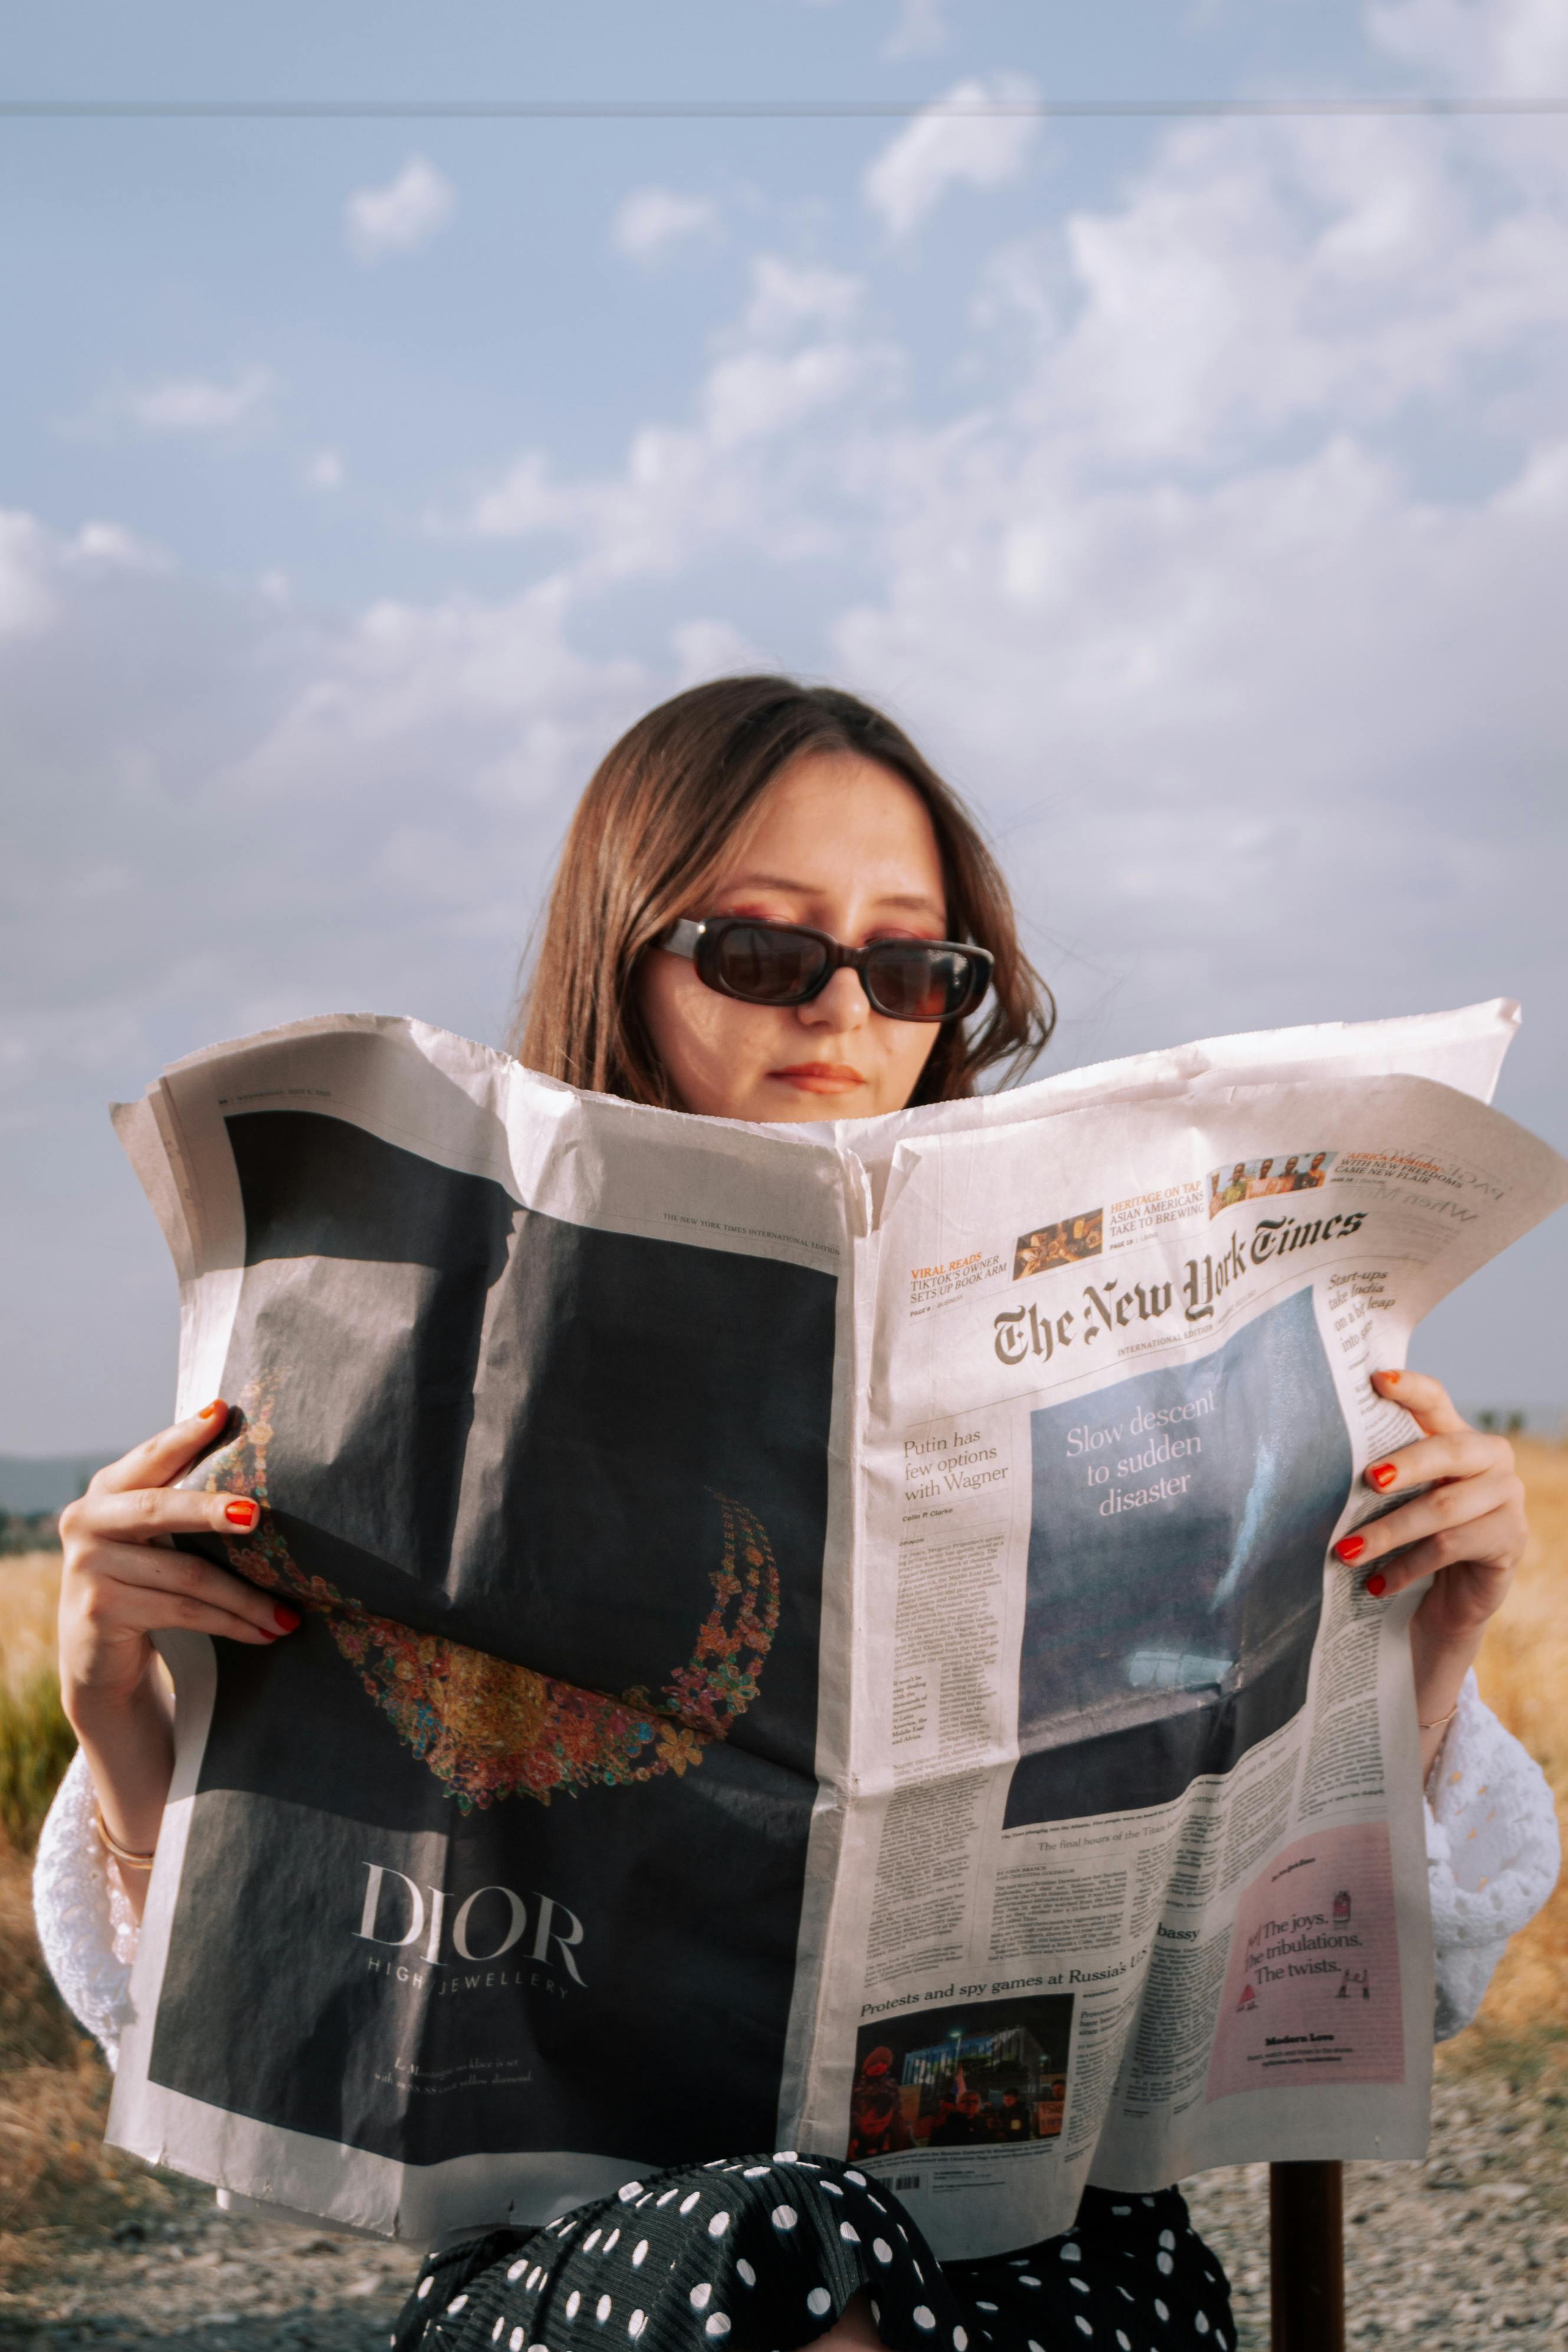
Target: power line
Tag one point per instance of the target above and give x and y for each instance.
(748, 110)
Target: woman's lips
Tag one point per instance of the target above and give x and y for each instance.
(820, 1078)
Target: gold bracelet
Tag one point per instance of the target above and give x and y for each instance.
(1438, 1721)
(122, 1854)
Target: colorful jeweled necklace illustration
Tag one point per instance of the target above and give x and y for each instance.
(487, 1728)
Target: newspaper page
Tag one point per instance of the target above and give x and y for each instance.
(821, 1639)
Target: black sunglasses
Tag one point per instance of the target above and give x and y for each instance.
(785, 964)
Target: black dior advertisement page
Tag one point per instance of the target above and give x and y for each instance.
(551, 1504)
(495, 1867)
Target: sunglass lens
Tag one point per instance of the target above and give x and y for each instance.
(767, 964)
(910, 980)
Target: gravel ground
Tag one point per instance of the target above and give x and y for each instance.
(1472, 2243)
(1441, 2255)
(212, 2283)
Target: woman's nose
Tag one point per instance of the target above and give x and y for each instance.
(843, 1004)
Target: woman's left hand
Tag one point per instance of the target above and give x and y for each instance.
(1466, 1531)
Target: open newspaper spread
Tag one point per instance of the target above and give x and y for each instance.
(814, 1638)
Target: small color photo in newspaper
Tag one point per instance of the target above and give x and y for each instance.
(1067, 1241)
(1263, 1180)
(984, 2074)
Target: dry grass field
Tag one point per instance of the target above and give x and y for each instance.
(54, 2089)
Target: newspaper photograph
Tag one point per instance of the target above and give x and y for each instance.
(829, 1634)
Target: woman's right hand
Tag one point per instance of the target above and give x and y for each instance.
(121, 1583)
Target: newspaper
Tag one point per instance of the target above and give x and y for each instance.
(816, 1639)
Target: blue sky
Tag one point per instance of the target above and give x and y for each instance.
(1197, 492)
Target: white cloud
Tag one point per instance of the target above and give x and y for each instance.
(487, 700)
(649, 221)
(39, 569)
(792, 380)
(404, 216)
(523, 501)
(1255, 280)
(921, 29)
(758, 394)
(645, 522)
(705, 649)
(199, 405)
(109, 547)
(941, 150)
(787, 298)
(27, 597)
(325, 470)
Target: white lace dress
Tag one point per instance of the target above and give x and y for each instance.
(1492, 1859)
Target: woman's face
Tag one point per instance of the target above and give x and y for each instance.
(847, 846)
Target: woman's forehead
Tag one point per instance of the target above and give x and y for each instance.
(832, 823)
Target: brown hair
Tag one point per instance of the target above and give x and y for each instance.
(654, 827)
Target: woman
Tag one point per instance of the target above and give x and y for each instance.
(742, 927)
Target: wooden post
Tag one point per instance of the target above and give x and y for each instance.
(1306, 2257)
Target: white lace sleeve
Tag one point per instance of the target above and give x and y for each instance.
(1492, 1854)
(85, 1924)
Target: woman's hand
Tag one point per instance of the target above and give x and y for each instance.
(1467, 1533)
(121, 1583)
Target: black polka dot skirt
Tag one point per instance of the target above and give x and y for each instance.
(763, 2254)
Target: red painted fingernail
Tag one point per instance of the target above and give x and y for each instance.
(210, 1411)
(1377, 1585)
(288, 1618)
(1392, 1378)
(1351, 1547)
(1381, 1474)
(241, 1514)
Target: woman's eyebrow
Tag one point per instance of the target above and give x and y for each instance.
(918, 900)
